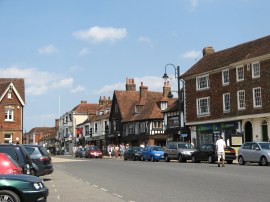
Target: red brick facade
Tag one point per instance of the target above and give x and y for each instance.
(11, 128)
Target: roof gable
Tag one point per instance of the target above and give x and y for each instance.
(17, 86)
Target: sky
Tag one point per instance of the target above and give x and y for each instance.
(68, 51)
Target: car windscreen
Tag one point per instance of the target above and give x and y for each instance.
(185, 146)
(265, 145)
(10, 151)
(12, 160)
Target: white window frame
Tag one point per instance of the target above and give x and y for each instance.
(163, 105)
(241, 102)
(199, 83)
(199, 103)
(256, 73)
(257, 97)
(226, 102)
(6, 139)
(238, 75)
(225, 77)
(9, 114)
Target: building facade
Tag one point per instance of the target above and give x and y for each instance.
(12, 102)
(227, 92)
(136, 116)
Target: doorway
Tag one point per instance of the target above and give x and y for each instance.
(248, 132)
(264, 131)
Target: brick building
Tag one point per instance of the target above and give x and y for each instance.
(228, 92)
(12, 101)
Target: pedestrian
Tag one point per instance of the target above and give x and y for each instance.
(220, 146)
(109, 150)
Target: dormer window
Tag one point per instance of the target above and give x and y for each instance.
(138, 109)
(163, 105)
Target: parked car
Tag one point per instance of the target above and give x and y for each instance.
(42, 162)
(93, 152)
(153, 153)
(22, 188)
(207, 152)
(19, 154)
(180, 151)
(9, 165)
(130, 153)
(80, 152)
(254, 152)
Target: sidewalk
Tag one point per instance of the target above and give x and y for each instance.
(67, 188)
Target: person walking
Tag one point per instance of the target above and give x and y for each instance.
(220, 146)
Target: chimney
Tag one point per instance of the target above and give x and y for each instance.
(57, 123)
(100, 101)
(208, 50)
(83, 102)
(143, 91)
(166, 89)
(130, 85)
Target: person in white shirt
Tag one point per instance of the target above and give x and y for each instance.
(220, 146)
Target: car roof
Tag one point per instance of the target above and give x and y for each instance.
(32, 145)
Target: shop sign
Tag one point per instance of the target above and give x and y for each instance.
(229, 125)
(202, 128)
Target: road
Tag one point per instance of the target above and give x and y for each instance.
(135, 181)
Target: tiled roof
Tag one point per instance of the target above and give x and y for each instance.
(17, 82)
(228, 56)
(86, 108)
(42, 130)
(127, 100)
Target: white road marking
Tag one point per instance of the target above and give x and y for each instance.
(95, 186)
(117, 195)
(58, 197)
(103, 189)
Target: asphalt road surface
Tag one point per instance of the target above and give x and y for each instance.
(82, 180)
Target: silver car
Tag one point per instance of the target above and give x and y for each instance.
(254, 152)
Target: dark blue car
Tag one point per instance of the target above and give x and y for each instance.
(153, 153)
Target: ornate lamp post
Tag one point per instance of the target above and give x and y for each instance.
(177, 76)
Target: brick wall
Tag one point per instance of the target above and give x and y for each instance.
(216, 92)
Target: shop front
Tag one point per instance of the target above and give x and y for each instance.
(209, 133)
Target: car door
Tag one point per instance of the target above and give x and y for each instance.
(255, 153)
(246, 151)
(201, 153)
(173, 151)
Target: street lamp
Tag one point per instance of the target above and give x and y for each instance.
(177, 76)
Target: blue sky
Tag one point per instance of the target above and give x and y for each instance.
(81, 50)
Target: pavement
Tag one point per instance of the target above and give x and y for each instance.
(63, 186)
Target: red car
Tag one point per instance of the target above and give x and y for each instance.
(8, 165)
(93, 152)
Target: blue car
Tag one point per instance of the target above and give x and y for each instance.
(153, 153)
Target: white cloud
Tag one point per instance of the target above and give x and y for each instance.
(192, 54)
(84, 51)
(194, 4)
(100, 34)
(77, 89)
(38, 82)
(145, 40)
(47, 50)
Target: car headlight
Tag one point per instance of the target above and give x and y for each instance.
(268, 153)
(186, 152)
(38, 185)
(157, 154)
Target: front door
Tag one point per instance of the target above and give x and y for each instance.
(248, 132)
(264, 131)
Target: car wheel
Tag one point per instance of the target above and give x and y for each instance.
(142, 159)
(241, 160)
(9, 196)
(167, 159)
(133, 158)
(229, 161)
(152, 159)
(263, 161)
(194, 160)
(210, 159)
(180, 158)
